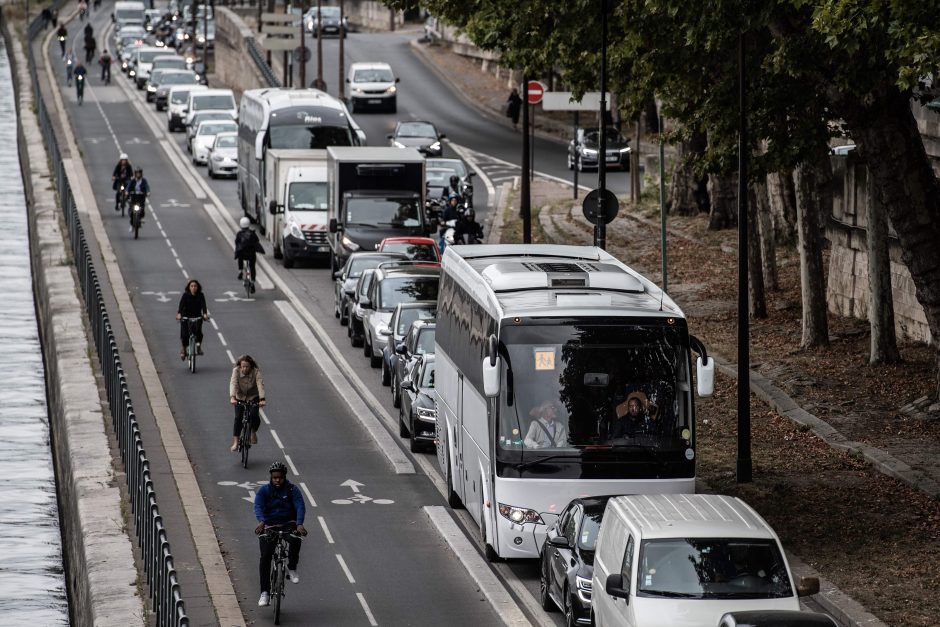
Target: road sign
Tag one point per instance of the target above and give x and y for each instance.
(611, 206)
(271, 18)
(536, 90)
(561, 101)
(280, 44)
(282, 30)
(302, 55)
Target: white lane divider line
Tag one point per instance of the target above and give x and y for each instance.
(214, 325)
(313, 502)
(231, 358)
(222, 339)
(180, 264)
(342, 564)
(172, 250)
(326, 531)
(290, 463)
(264, 416)
(277, 441)
(365, 608)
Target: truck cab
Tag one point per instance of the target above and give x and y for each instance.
(297, 197)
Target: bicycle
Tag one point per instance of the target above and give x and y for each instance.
(120, 197)
(279, 567)
(191, 348)
(248, 281)
(80, 88)
(137, 213)
(244, 437)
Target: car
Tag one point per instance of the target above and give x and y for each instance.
(211, 100)
(415, 248)
(419, 134)
(776, 618)
(169, 61)
(417, 414)
(150, 86)
(393, 283)
(223, 156)
(152, 18)
(205, 136)
(404, 315)
(199, 118)
(346, 278)
(354, 311)
(169, 79)
(332, 24)
(566, 560)
(176, 101)
(142, 62)
(582, 150)
(372, 85)
(204, 32)
(443, 169)
(419, 340)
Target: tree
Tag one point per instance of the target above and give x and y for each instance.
(812, 180)
(884, 345)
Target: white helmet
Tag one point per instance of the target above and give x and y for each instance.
(244, 222)
(123, 156)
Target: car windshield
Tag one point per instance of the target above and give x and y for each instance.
(226, 141)
(329, 12)
(613, 136)
(453, 166)
(307, 196)
(417, 252)
(147, 56)
(712, 568)
(303, 136)
(178, 78)
(410, 315)
(438, 177)
(156, 76)
(394, 212)
(175, 63)
(406, 289)
(416, 129)
(204, 103)
(360, 263)
(427, 376)
(425, 341)
(373, 75)
(179, 97)
(214, 129)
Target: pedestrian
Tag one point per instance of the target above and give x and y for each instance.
(46, 18)
(514, 107)
(89, 30)
(105, 62)
(90, 47)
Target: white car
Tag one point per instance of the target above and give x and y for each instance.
(223, 156)
(177, 100)
(372, 85)
(205, 136)
(211, 100)
(143, 62)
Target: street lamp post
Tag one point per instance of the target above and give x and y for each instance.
(525, 207)
(342, 50)
(320, 84)
(744, 465)
(600, 228)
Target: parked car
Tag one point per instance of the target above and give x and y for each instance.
(582, 150)
(331, 22)
(419, 340)
(205, 137)
(418, 412)
(346, 278)
(372, 85)
(664, 560)
(223, 156)
(404, 315)
(393, 284)
(419, 134)
(566, 561)
(776, 618)
(354, 311)
(415, 248)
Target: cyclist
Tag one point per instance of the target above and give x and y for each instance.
(69, 66)
(246, 385)
(105, 62)
(123, 172)
(192, 305)
(247, 246)
(62, 34)
(80, 73)
(278, 505)
(138, 189)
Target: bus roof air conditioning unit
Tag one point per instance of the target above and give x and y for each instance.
(513, 276)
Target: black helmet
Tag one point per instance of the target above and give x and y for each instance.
(278, 466)
(138, 170)
(454, 180)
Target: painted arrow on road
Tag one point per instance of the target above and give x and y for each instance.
(352, 484)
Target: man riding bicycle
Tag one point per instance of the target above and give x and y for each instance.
(247, 246)
(279, 505)
(138, 189)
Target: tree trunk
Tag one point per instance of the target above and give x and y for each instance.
(722, 195)
(782, 198)
(884, 345)
(688, 192)
(768, 247)
(757, 300)
(813, 196)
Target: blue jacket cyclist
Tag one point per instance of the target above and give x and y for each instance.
(279, 505)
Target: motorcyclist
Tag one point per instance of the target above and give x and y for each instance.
(468, 228)
(62, 34)
(80, 73)
(246, 248)
(105, 62)
(123, 172)
(138, 189)
(449, 213)
(452, 188)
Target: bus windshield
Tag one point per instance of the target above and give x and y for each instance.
(593, 392)
(303, 136)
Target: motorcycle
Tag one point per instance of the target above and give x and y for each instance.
(466, 196)
(137, 214)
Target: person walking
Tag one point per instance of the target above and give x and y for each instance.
(62, 34)
(514, 107)
(105, 62)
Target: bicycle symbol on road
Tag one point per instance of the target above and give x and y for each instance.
(232, 296)
(362, 499)
(251, 486)
(163, 297)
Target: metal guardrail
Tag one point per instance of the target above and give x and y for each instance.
(254, 50)
(166, 595)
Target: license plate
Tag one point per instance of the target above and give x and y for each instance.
(323, 249)
(375, 101)
(612, 159)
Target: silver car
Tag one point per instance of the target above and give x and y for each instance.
(223, 156)
(205, 136)
(346, 279)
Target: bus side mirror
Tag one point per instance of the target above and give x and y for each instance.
(259, 145)
(705, 376)
(491, 368)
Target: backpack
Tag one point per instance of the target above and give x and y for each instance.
(244, 242)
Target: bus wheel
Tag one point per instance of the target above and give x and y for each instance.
(488, 551)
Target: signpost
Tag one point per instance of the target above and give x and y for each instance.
(280, 34)
(534, 92)
(592, 207)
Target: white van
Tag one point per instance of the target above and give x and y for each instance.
(684, 560)
(211, 100)
(127, 11)
(142, 62)
(176, 102)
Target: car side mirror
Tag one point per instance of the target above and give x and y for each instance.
(471, 174)
(347, 80)
(389, 136)
(365, 303)
(397, 79)
(272, 207)
(259, 146)
(705, 376)
(408, 385)
(807, 586)
(401, 349)
(385, 331)
(560, 541)
(491, 377)
(334, 226)
(336, 274)
(442, 136)
(614, 587)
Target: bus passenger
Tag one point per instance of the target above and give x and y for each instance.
(544, 430)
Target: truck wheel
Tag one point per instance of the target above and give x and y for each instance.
(286, 260)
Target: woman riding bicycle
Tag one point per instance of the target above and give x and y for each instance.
(246, 393)
(192, 305)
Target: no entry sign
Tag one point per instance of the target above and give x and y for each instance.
(536, 91)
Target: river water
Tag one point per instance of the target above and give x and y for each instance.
(32, 578)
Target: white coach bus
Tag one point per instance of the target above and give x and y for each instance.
(285, 118)
(560, 373)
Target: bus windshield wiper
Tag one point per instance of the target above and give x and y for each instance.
(535, 462)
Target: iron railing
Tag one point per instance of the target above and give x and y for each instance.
(257, 55)
(165, 593)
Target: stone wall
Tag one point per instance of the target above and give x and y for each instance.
(234, 66)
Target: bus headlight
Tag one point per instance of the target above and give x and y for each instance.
(520, 515)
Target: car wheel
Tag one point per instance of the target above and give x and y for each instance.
(374, 360)
(352, 105)
(396, 395)
(287, 261)
(570, 162)
(402, 429)
(211, 173)
(413, 445)
(343, 316)
(366, 347)
(356, 339)
(570, 619)
(488, 551)
(386, 375)
(333, 265)
(453, 499)
(545, 599)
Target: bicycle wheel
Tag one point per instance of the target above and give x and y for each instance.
(192, 352)
(247, 283)
(277, 587)
(136, 224)
(244, 441)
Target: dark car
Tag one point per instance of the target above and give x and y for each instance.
(346, 278)
(418, 412)
(775, 618)
(420, 135)
(582, 150)
(419, 341)
(168, 79)
(330, 21)
(404, 315)
(353, 311)
(394, 283)
(566, 561)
